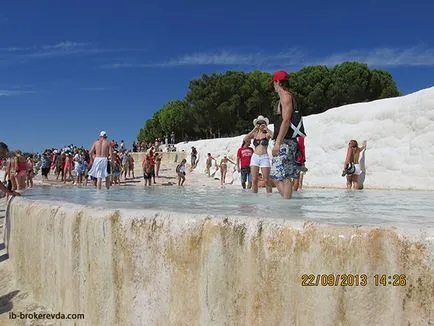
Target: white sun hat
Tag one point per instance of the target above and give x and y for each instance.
(261, 118)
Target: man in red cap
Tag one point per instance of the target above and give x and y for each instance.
(288, 126)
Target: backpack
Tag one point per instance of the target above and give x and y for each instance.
(177, 168)
(296, 127)
(300, 156)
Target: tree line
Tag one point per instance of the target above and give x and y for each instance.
(223, 105)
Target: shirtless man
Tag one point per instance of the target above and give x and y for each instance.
(287, 126)
(99, 152)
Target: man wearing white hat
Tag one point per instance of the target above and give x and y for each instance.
(99, 152)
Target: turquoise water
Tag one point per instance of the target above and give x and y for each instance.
(413, 209)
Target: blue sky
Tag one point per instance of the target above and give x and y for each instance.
(71, 69)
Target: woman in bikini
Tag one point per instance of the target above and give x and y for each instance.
(180, 170)
(21, 171)
(351, 166)
(158, 157)
(67, 170)
(261, 136)
(10, 172)
(30, 171)
(224, 168)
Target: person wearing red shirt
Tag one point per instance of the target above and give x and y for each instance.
(244, 156)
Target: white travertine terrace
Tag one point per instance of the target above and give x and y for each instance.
(399, 131)
(131, 267)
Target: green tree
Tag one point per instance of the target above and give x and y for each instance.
(310, 86)
(175, 116)
(225, 104)
(349, 84)
(382, 85)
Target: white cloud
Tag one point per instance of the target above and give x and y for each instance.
(14, 54)
(5, 92)
(384, 57)
(98, 89)
(67, 45)
(123, 65)
(220, 58)
(296, 57)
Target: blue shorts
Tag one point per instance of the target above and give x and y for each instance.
(284, 166)
(246, 175)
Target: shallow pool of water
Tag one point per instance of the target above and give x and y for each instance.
(414, 209)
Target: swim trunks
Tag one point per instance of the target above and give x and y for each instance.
(99, 168)
(146, 176)
(284, 166)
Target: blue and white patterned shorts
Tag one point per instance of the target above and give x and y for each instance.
(284, 165)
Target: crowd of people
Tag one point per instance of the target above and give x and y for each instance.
(69, 164)
(110, 161)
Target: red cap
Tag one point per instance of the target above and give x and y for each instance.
(279, 75)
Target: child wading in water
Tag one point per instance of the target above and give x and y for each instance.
(180, 170)
(224, 168)
(209, 160)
